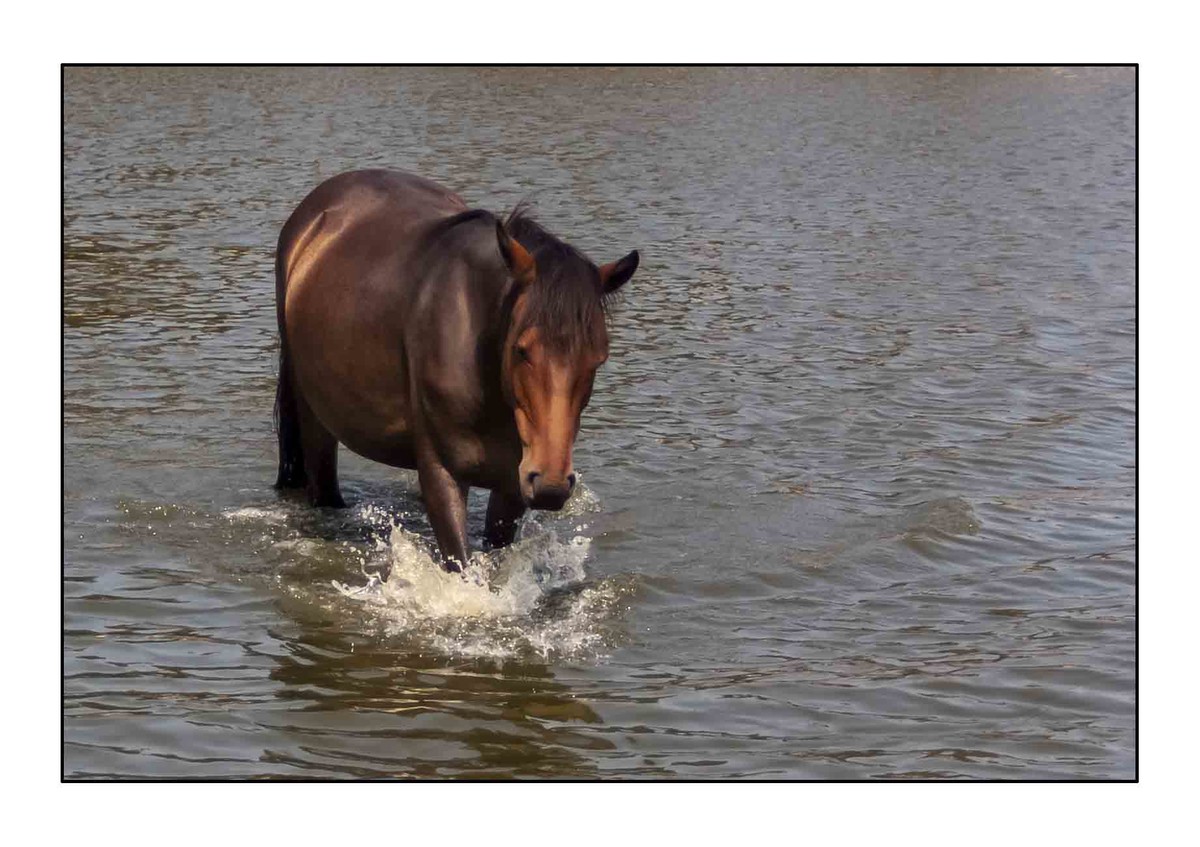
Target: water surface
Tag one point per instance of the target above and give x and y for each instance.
(858, 479)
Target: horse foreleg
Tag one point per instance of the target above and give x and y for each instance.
(504, 513)
(446, 504)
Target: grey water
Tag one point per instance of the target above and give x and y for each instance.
(858, 480)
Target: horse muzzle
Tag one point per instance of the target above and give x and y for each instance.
(551, 495)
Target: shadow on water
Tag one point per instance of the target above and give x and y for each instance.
(362, 708)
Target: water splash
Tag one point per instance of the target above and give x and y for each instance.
(532, 597)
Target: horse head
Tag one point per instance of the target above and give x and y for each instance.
(557, 338)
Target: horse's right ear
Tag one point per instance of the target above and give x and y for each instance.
(517, 258)
(615, 274)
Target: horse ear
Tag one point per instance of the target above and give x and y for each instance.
(615, 274)
(517, 258)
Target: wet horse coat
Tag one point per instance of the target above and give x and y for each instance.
(426, 335)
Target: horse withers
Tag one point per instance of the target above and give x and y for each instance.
(429, 336)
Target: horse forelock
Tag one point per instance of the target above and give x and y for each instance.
(566, 300)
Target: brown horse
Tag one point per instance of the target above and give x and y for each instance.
(426, 335)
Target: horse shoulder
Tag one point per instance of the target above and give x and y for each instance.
(441, 343)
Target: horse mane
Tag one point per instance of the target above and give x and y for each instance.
(566, 300)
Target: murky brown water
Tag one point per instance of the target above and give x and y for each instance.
(859, 476)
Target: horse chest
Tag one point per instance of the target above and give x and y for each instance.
(484, 455)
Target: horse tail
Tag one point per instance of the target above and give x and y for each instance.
(287, 418)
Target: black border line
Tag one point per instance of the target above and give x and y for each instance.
(63, 779)
(1137, 254)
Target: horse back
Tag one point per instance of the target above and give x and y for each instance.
(374, 205)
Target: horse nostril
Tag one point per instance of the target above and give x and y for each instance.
(532, 478)
(571, 482)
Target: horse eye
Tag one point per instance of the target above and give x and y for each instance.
(523, 353)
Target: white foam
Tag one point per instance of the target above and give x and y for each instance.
(532, 597)
(498, 606)
(254, 513)
(300, 546)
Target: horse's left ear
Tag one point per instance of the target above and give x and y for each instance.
(615, 274)
(520, 263)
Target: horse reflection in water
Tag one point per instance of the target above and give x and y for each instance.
(405, 712)
(429, 336)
